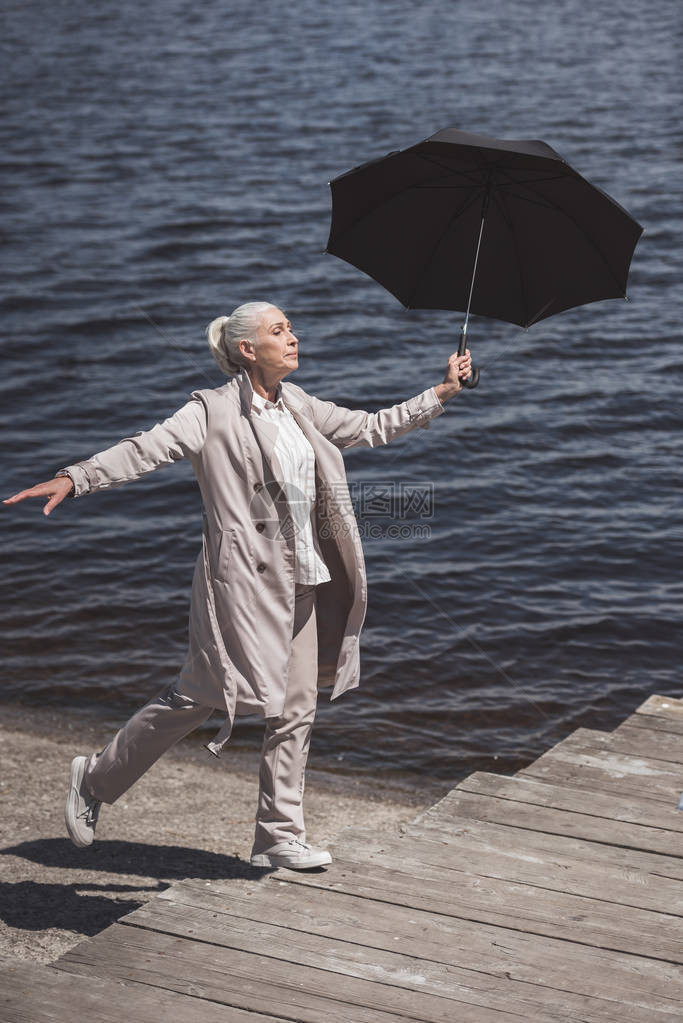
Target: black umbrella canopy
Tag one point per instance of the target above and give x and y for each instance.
(551, 240)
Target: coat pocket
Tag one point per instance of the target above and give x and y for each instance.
(226, 538)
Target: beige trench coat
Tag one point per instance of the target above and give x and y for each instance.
(242, 602)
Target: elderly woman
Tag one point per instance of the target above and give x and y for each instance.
(279, 590)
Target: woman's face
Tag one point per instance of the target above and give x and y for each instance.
(276, 351)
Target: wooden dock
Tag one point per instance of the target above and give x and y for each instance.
(551, 895)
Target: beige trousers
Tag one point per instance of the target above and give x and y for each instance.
(169, 716)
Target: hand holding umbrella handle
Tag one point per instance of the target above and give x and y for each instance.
(473, 378)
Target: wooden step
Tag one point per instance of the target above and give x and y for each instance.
(34, 993)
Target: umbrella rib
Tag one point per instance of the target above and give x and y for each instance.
(508, 220)
(500, 184)
(474, 176)
(531, 181)
(496, 167)
(370, 210)
(447, 188)
(425, 266)
(549, 204)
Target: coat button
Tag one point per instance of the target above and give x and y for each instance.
(260, 527)
(261, 567)
(258, 486)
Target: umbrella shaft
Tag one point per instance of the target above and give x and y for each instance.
(474, 270)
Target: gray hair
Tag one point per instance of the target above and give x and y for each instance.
(226, 332)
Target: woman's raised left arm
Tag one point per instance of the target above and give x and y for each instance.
(348, 428)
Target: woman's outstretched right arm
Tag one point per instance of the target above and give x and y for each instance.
(180, 436)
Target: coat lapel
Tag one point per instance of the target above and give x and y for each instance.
(305, 425)
(264, 431)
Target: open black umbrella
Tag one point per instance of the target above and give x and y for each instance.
(501, 228)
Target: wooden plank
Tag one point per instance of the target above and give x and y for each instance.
(635, 810)
(548, 964)
(352, 958)
(517, 906)
(651, 723)
(662, 706)
(625, 861)
(649, 766)
(261, 982)
(538, 805)
(605, 771)
(34, 993)
(475, 853)
(650, 743)
(636, 742)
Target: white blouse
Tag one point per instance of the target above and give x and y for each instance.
(297, 460)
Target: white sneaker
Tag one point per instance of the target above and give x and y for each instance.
(295, 854)
(82, 809)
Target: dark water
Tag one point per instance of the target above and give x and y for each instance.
(164, 164)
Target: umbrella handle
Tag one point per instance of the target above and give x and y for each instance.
(473, 378)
